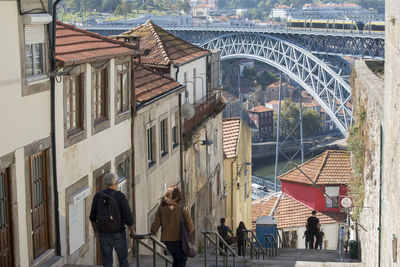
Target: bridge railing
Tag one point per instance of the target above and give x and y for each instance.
(263, 182)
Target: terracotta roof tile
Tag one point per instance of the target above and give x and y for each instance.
(76, 46)
(165, 48)
(149, 84)
(332, 167)
(260, 109)
(291, 213)
(230, 136)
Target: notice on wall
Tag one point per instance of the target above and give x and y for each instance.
(77, 234)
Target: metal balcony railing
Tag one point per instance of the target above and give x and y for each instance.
(203, 109)
(271, 246)
(208, 235)
(255, 245)
(140, 240)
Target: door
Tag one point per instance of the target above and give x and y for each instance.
(6, 252)
(39, 204)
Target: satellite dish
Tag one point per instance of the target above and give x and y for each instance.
(188, 111)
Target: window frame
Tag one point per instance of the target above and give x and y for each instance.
(102, 122)
(121, 113)
(151, 146)
(164, 142)
(73, 136)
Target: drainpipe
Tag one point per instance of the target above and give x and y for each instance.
(232, 191)
(52, 35)
(133, 114)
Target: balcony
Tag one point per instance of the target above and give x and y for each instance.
(204, 108)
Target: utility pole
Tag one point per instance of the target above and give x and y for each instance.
(240, 92)
(278, 127)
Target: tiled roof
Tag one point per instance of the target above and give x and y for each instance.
(289, 213)
(165, 48)
(77, 46)
(260, 109)
(332, 167)
(230, 136)
(263, 206)
(149, 84)
(292, 213)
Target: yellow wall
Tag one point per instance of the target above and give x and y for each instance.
(238, 208)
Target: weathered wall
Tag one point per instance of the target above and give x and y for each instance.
(391, 136)
(368, 91)
(151, 183)
(203, 171)
(84, 158)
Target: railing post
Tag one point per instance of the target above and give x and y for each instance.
(154, 254)
(205, 250)
(251, 250)
(216, 250)
(137, 253)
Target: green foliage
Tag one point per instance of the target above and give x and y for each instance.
(311, 122)
(265, 78)
(355, 145)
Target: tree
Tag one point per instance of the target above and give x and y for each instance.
(123, 9)
(290, 115)
(110, 5)
(311, 122)
(265, 78)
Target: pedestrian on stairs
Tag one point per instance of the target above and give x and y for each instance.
(223, 231)
(240, 238)
(168, 217)
(312, 229)
(109, 214)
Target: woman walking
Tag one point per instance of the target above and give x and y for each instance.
(240, 238)
(168, 217)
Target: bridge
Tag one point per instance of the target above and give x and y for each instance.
(294, 52)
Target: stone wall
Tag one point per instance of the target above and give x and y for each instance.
(368, 93)
(391, 133)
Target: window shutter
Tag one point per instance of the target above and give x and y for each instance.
(35, 34)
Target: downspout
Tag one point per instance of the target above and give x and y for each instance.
(52, 35)
(180, 140)
(232, 191)
(133, 114)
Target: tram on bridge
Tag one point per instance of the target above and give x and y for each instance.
(336, 25)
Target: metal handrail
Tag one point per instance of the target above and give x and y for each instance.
(270, 250)
(218, 238)
(257, 249)
(139, 241)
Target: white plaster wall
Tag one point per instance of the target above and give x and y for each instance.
(23, 119)
(84, 157)
(331, 235)
(201, 84)
(151, 183)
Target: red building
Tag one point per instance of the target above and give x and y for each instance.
(312, 182)
(263, 118)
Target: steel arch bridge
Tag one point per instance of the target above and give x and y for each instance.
(318, 79)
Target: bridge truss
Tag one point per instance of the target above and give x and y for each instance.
(315, 76)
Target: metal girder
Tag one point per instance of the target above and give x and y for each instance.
(315, 76)
(339, 43)
(355, 45)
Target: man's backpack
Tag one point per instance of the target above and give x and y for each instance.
(108, 219)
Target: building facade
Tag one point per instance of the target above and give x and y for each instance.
(263, 118)
(93, 131)
(237, 172)
(28, 208)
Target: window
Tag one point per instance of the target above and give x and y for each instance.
(245, 184)
(122, 87)
(151, 146)
(35, 56)
(34, 59)
(123, 175)
(194, 86)
(100, 95)
(74, 104)
(210, 198)
(164, 137)
(175, 131)
(333, 200)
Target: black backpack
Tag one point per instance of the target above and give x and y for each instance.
(108, 219)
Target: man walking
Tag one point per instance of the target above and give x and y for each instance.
(223, 231)
(109, 214)
(312, 228)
